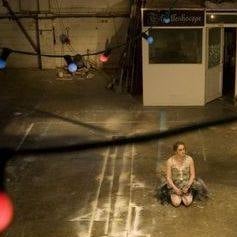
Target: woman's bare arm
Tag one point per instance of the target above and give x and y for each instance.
(192, 173)
(192, 176)
(169, 178)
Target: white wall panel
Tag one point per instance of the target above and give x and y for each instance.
(173, 84)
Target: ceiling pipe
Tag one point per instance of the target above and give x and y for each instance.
(66, 15)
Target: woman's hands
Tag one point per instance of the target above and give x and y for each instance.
(178, 191)
(185, 189)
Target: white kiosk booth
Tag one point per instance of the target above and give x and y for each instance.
(192, 60)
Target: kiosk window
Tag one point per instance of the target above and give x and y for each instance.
(176, 46)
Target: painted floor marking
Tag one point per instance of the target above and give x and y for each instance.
(110, 190)
(98, 191)
(25, 136)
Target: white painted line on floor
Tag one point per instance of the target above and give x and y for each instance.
(137, 219)
(25, 136)
(203, 148)
(121, 202)
(133, 223)
(84, 217)
(110, 190)
(98, 191)
(124, 174)
(129, 217)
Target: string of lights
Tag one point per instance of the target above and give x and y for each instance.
(72, 62)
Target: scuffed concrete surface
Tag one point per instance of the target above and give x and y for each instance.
(108, 191)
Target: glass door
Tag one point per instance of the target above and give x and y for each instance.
(214, 64)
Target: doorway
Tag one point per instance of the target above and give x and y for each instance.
(229, 61)
(214, 63)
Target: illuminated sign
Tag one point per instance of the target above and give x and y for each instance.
(173, 18)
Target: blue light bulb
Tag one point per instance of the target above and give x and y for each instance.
(150, 40)
(166, 20)
(72, 67)
(3, 63)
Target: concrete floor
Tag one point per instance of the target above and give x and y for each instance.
(108, 191)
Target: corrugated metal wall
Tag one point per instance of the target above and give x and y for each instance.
(86, 33)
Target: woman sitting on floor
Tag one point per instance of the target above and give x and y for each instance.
(181, 185)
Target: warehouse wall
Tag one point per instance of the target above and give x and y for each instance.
(87, 34)
(12, 37)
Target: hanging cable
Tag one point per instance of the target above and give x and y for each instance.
(104, 54)
(86, 54)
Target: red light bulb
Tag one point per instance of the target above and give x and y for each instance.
(6, 211)
(103, 58)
